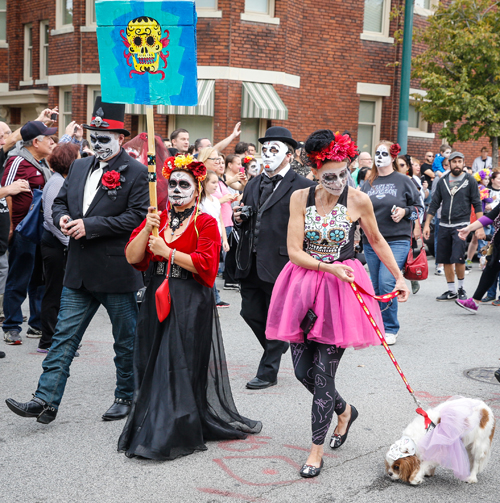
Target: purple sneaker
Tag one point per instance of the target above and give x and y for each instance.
(468, 305)
(40, 350)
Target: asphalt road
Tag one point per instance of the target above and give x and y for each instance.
(74, 459)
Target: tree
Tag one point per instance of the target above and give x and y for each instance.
(460, 70)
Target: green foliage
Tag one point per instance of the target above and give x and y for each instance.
(460, 70)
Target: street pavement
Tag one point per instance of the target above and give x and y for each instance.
(74, 459)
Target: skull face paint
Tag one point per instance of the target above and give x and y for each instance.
(273, 153)
(181, 189)
(382, 157)
(334, 180)
(253, 168)
(104, 144)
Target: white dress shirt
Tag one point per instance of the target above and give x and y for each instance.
(92, 185)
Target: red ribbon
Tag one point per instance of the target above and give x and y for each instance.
(112, 124)
(427, 419)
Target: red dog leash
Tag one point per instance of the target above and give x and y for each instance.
(358, 290)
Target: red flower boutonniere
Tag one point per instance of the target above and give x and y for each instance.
(395, 150)
(112, 181)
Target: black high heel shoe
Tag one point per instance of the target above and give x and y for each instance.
(337, 440)
(497, 375)
(310, 471)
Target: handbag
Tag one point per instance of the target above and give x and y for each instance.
(162, 295)
(310, 318)
(31, 226)
(416, 268)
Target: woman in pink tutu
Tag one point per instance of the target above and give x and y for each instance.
(316, 282)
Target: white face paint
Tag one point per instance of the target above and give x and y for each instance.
(273, 153)
(334, 180)
(382, 157)
(253, 169)
(181, 189)
(104, 144)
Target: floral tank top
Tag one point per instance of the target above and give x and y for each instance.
(329, 238)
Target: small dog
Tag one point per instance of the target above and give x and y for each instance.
(461, 440)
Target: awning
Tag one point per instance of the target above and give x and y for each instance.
(206, 100)
(261, 101)
(135, 109)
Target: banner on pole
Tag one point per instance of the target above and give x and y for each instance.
(147, 51)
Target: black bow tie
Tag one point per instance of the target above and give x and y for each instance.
(267, 186)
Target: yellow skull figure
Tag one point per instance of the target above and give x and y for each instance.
(145, 44)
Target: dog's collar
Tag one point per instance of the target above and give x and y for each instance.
(403, 448)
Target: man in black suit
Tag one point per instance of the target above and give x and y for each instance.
(262, 251)
(103, 199)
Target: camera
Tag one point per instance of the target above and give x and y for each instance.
(246, 213)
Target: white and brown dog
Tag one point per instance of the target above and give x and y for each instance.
(461, 440)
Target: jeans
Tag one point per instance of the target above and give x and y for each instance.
(77, 310)
(492, 292)
(22, 280)
(216, 293)
(383, 281)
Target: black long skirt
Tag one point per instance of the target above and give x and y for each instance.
(182, 393)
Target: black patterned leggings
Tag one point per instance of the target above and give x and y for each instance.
(315, 367)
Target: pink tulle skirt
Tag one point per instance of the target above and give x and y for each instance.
(341, 319)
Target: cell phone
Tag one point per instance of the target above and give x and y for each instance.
(242, 169)
(53, 117)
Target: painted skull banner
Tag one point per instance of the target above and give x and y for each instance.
(147, 51)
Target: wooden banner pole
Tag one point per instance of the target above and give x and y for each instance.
(151, 161)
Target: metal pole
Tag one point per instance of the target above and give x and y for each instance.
(404, 95)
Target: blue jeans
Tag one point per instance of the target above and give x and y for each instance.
(21, 282)
(77, 310)
(216, 293)
(492, 292)
(383, 281)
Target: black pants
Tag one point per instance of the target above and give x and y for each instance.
(230, 261)
(315, 367)
(54, 265)
(488, 277)
(255, 300)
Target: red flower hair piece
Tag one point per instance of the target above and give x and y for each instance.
(248, 159)
(395, 150)
(187, 163)
(341, 148)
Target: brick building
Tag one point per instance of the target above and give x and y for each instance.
(304, 64)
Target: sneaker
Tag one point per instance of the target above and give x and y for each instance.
(391, 339)
(223, 304)
(467, 304)
(2, 354)
(496, 303)
(468, 265)
(487, 299)
(40, 350)
(461, 294)
(231, 286)
(33, 333)
(497, 375)
(448, 295)
(439, 271)
(12, 337)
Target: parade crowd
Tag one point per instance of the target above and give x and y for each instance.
(290, 230)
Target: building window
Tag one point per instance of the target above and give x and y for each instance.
(199, 126)
(206, 4)
(3, 20)
(252, 130)
(376, 17)
(65, 108)
(259, 11)
(28, 52)
(425, 7)
(44, 49)
(67, 12)
(368, 124)
(90, 12)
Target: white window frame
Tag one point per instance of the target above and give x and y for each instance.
(378, 118)
(27, 71)
(90, 24)
(422, 11)
(61, 28)
(3, 41)
(258, 17)
(212, 12)
(62, 111)
(383, 36)
(422, 130)
(90, 104)
(44, 69)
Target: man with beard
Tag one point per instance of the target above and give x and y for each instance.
(103, 199)
(262, 249)
(457, 191)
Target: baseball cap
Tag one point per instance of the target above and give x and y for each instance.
(454, 155)
(33, 129)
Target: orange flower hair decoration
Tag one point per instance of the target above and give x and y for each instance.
(247, 159)
(187, 163)
(342, 147)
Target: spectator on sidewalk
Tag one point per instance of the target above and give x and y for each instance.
(426, 169)
(437, 165)
(484, 161)
(24, 163)
(180, 141)
(241, 149)
(456, 191)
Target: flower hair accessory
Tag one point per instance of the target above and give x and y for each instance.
(248, 159)
(187, 163)
(482, 174)
(395, 150)
(340, 148)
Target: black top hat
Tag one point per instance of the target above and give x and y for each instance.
(278, 133)
(108, 117)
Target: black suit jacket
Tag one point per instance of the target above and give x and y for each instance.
(97, 261)
(272, 253)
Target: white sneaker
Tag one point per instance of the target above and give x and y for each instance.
(439, 271)
(391, 339)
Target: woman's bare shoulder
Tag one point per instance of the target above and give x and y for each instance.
(300, 195)
(357, 197)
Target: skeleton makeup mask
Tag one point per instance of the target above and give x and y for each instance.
(273, 153)
(104, 144)
(334, 180)
(253, 168)
(382, 157)
(181, 189)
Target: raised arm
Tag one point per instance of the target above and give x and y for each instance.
(226, 141)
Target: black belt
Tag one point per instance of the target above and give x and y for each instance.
(176, 271)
